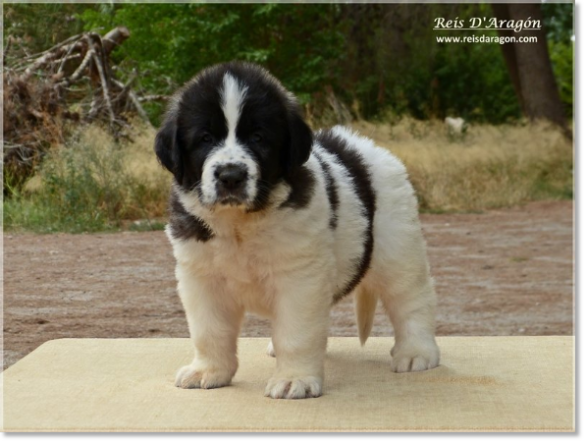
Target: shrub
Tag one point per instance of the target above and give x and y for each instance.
(92, 183)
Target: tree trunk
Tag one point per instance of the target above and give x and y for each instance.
(530, 66)
(501, 12)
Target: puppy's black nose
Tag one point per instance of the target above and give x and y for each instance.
(231, 176)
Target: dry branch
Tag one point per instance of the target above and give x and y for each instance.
(40, 97)
(153, 98)
(114, 38)
(105, 89)
(80, 69)
(42, 61)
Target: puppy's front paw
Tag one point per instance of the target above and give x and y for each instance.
(291, 388)
(411, 357)
(190, 377)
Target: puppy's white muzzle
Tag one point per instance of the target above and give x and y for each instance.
(229, 178)
(231, 181)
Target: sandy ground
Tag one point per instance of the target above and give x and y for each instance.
(505, 272)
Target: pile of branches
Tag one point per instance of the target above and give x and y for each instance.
(48, 93)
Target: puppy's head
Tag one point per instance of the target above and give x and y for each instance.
(231, 134)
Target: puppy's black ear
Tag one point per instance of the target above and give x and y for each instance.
(167, 149)
(300, 142)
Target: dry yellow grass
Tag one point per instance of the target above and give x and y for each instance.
(486, 167)
(129, 168)
(142, 166)
(94, 183)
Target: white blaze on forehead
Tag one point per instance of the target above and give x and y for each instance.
(233, 95)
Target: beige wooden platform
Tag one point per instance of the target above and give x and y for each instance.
(483, 384)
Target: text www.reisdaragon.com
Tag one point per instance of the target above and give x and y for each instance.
(501, 40)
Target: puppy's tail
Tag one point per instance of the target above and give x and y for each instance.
(365, 308)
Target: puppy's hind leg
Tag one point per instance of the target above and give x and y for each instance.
(407, 294)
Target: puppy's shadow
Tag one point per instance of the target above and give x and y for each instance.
(372, 374)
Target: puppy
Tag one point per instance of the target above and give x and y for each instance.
(269, 217)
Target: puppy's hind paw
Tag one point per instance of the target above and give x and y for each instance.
(415, 358)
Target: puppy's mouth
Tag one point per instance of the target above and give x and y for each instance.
(231, 183)
(231, 200)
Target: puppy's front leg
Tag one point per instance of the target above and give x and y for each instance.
(214, 323)
(300, 331)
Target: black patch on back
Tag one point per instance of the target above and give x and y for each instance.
(184, 225)
(302, 189)
(358, 171)
(331, 190)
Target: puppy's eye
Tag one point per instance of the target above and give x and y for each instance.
(256, 137)
(207, 138)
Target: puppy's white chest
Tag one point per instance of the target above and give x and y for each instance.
(236, 260)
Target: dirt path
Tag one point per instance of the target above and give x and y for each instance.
(506, 272)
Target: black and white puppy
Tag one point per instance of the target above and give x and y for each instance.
(268, 217)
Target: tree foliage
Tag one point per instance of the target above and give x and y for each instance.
(35, 28)
(378, 59)
(559, 25)
(172, 42)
